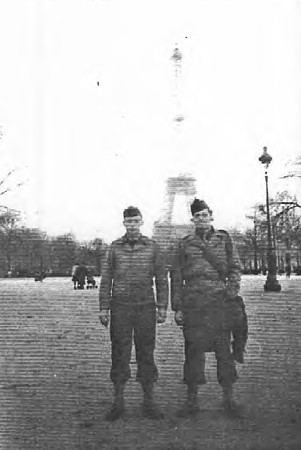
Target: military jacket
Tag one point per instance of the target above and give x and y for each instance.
(134, 274)
(203, 269)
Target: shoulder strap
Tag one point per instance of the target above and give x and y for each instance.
(219, 265)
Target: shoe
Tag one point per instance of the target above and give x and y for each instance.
(115, 412)
(151, 410)
(232, 408)
(188, 410)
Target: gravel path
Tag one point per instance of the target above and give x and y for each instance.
(55, 388)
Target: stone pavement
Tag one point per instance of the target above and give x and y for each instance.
(55, 388)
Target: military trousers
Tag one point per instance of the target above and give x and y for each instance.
(205, 330)
(236, 320)
(128, 322)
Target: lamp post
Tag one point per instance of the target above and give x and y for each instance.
(255, 246)
(271, 283)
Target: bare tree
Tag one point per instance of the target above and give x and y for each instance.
(4, 188)
(295, 172)
(9, 237)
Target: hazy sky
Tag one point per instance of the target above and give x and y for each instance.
(87, 151)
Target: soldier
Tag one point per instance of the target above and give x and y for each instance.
(205, 281)
(127, 297)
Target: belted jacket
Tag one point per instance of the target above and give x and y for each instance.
(204, 268)
(134, 274)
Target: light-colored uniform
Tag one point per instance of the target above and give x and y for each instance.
(129, 275)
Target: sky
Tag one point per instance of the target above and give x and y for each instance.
(89, 94)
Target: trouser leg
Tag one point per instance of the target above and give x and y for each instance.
(117, 409)
(145, 339)
(194, 369)
(121, 329)
(190, 407)
(226, 370)
(147, 373)
(192, 394)
(194, 365)
(121, 344)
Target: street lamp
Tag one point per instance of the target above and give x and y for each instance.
(271, 283)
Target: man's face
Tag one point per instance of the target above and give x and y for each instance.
(132, 225)
(202, 219)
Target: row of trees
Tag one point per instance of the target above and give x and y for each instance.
(28, 251)
(286, 234)
(25, 251)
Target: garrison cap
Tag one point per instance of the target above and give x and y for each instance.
(131, 211)
(198, 205)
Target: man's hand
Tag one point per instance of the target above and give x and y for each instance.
(232, 289)
(161, 315)
(104, 317)
(179, 318)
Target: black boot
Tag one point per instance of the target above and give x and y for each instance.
(191, 407)
(231, 408)
(117, 408)
(149, 407)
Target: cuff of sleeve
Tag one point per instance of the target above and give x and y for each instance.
(104, 305)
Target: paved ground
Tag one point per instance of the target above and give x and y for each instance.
(54, 377)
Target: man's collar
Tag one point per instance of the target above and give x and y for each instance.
(140, 239)
(205, 234)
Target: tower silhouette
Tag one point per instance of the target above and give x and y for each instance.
(181, 185)
(166, 232)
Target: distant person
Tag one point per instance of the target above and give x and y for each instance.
(40, 275)
(91, 283)
(74, 278)
(79, 276)
(288, 271)
(205, 281)
(133, 266)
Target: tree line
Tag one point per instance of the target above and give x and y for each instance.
(24, 251)
(252, 243)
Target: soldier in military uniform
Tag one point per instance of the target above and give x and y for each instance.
(127, 298)
(205, 281)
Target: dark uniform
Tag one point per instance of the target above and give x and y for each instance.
(205, 281)
(91, 283)
(127, 289)
(79, 275)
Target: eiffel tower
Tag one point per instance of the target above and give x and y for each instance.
(166, 232)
